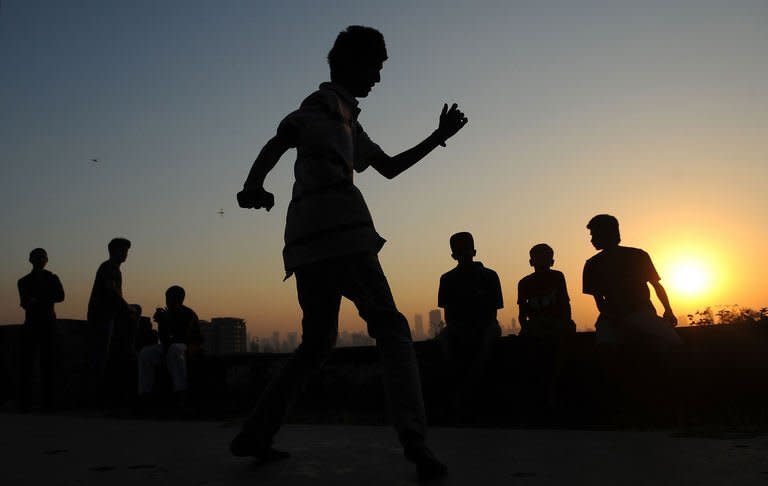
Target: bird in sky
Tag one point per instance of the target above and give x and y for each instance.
(95, 161)
(220, 212)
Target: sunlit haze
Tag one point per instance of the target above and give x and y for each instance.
(657, 114)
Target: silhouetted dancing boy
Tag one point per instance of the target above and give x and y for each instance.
(618, 279)
(471, 297)
(39, 290)
(545, 321)
(331, 244)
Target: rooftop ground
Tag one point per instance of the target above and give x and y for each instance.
(75, 450)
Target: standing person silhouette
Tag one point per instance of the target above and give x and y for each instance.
(39, 291)
(545, 322)
(618, 279)
(105, 305)
(331, 244)
(471, 295)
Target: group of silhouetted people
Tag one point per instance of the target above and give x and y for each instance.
(617, 277)
(124, 351)
(331, 247)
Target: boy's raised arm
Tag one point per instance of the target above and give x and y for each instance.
(451, 121)
(253, 194)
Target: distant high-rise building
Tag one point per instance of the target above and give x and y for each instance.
(266, 345)
(210, 339)
(436, 323)
(343, 339)
(276, 341)
(224, 335)
(291, 341)
(361, 339)
(418, 327)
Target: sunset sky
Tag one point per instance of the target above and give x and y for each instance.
(657, 114)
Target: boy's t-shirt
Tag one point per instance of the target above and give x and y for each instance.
(179, 326)
(38, 292)
(470, 295)
(544, 295)
(327, 216)
(105, 303)
(621, 275)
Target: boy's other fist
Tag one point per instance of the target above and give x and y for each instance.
(255, 199)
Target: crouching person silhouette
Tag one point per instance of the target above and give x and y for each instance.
(331, 244)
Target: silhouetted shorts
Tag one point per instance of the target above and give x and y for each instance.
(639, 326)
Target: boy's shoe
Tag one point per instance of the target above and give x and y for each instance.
(427, 465)
(253, 445)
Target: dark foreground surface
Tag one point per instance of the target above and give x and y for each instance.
(69, 450)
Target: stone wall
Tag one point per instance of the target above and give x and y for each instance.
(718, 376)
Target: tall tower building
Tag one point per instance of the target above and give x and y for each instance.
(418, 327)
(291, 341)
(276, 341)
(436, 323)
(230, 335)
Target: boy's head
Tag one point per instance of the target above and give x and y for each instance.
(604, 229)
(542, 256)
(174, 297)
(118, 249)
(38, 258)
(463, 247)
(356, 59)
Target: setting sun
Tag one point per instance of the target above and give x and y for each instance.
(690, 278)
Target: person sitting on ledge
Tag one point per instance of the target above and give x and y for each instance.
(178, 330)
(618, 279)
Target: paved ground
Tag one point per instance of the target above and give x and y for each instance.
(65, 450)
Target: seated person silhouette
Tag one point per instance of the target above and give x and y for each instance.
(178, 330)
(471, 297)
(618, 279)
(545, 321)
(332, 246)
(39, 291)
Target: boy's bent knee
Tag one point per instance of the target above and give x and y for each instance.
(389, 326)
